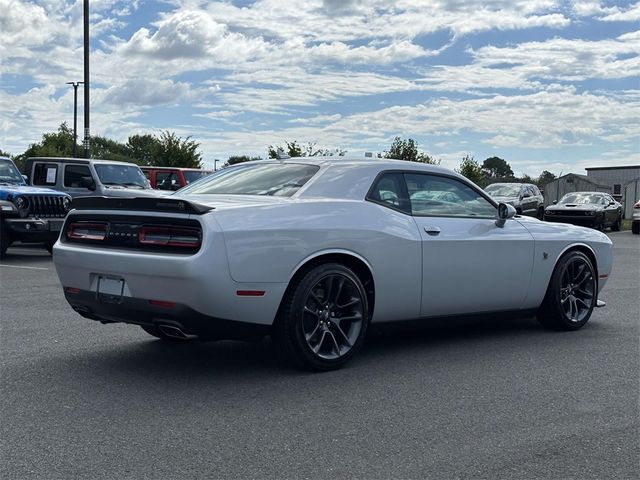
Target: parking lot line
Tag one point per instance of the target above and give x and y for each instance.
(26, 268)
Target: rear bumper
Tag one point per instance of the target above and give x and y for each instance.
(200, 282)
(139, 311)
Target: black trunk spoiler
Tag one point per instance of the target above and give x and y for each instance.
(144, 204)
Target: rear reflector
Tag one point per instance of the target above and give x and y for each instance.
(162, 303)
(87, 231)
(603, 276)
(73, 290)
(250, 293)
(169, 236)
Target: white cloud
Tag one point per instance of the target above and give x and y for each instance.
(147, 92)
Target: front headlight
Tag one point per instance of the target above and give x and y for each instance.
(66, 203)
(21, 203)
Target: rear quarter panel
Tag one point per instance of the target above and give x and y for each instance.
(266, 244)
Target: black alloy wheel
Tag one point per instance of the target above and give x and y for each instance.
(324, 318)
(571, 295)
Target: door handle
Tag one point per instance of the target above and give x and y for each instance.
(433, 231)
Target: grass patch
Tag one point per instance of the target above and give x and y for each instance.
(626, 224)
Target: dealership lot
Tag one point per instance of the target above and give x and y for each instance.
(465, 399)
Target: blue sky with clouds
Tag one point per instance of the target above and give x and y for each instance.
(544, 84)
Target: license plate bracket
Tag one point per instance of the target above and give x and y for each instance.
(110, 289)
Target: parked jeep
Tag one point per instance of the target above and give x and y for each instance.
(28, 214)
(525, 197)
(83, 177)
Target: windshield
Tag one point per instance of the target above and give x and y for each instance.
(277, 179)
(193, 175)
(9, 173)
(503, 190)
(113, 174)
(581, 198)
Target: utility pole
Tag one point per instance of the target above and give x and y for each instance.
(75, 115)
(86, 79)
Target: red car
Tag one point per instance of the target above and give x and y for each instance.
(172, 178)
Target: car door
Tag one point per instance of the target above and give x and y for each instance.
(528, 202)
(611, 209)
(469, 264)
(75, 178)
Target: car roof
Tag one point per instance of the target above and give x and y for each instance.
(78, 160)
(384, 163)
(184, 169)
(510, 183)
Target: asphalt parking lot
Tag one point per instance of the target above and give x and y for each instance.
(467, 399)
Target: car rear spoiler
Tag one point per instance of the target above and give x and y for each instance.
(146, 204)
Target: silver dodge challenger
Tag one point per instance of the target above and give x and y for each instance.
(314, 250)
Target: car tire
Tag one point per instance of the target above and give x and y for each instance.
(571, 295)
(323, 319)
(635, 228)
(541, 213)
(5, 240)
(616, 225)
(49, 247)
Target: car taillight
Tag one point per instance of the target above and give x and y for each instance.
(637, 205)
(87, 231)
(170, 236)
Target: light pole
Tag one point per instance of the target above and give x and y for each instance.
(75, 115)
(86, 79)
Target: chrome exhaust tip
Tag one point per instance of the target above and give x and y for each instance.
(174, 332)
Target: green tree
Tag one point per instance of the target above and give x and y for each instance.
(235, 159)
(495, 168)
(4, 154)
(293, 149)
(471, 169)
(173, 151)
(56, 144)
(140, 148)
(407, 149)
(311, 149)
(103, 147)
(545, 178)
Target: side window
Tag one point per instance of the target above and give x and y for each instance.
(45, 174)
(442, 196)
(165, 180)
(73, 175)
(389, 190)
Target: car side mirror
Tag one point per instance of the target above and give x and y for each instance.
(505, 211)
(525, 195)
(26, 179)
(555, 202)
(88, 182)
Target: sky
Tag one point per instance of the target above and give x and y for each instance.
(544, 84)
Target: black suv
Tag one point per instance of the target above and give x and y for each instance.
(525, 197)
(28, 214)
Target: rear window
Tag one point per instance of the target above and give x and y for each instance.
(276, 179)
(193, 175)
